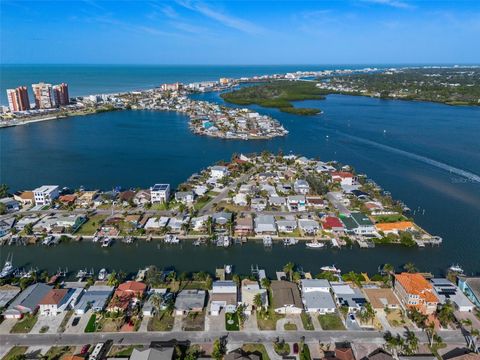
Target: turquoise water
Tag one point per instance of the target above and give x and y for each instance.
(382, 138)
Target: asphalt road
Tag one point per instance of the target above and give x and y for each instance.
(375, 337)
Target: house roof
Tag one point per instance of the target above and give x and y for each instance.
(285, 293)
(54, 297)
(399, 226)
(31, 296)
(379, 298)
(132, 286)
(416, 284)
(330, 222)
(165, 353)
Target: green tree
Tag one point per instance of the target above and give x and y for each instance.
(445, 314)
(28, 229)
(218, 350)
(265, 282)
(3, 190)
(3, 209)
(288, 269)
(410, 268)
(257, 302)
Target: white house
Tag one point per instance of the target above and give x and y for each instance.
(159, 193)
(296, 203)
(185, 197)
(343, 177)
(218, 172)
(308, 226)
(265, 224)
(223, 296)
(55, 302)
(301, 187)
(250, 289)
(316, 296)
(45, 194)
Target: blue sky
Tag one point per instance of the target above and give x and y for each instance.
(240, 32)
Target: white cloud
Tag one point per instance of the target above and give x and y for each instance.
(221, 17)
(393, 3)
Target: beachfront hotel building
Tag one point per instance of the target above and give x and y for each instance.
(60, 94)
(18, 99)
(43, 95)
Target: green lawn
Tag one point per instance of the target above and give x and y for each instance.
(15, 352)
(65, 320)
(201, 202)
(194, 322)
(389, 218)
(25, 325)
(331, 322)
(307, 321)
(91, 226)
(281, 348)
(163, 321)
(267, 320)
(91, 325)
(290, 326)
(258, 349)
(232, 322)
(123, 351)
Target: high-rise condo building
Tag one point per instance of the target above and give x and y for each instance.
(43, 95)
(60, 94)
(18, 99)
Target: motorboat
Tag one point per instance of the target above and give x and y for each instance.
(7, 269)
(96, 239)
(226, 241)
(456, 268)
(81, 274)
(102, 274)
(107, 242)
(314, 245)
(267, 241)
(332, 269)
(171, 239)
(290, 242)
(228, 269)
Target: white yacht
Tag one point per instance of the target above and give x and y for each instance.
(332, 269)
(107, 242)
(102, 274)
(267, 241)
(171, 239)
(290, 242)
(228, 269)
(315, 245)
(7, 269)
(456, 268)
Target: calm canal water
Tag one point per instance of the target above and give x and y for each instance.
(139, 148)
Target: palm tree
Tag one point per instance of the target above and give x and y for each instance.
(410, 268)
(430, 329)
(445, 315)
(411, 343)
(209, 225)
(257, 301)
(157, 302)
(288, 269)
(265, 282)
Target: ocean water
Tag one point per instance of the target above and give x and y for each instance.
(397, 143)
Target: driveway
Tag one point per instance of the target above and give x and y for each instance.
(352, 324)
(289, 319)
(7, 325)
(215, 322)
(82, 324)
(50, 322)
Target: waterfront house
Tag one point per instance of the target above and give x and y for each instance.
(6, 225)
(11, 205)
(343, 177)
(160, 193)
(68, 199)
(296, 203)
(185, 197)
(25, 197)
(265, 224)
(348, 296)
(244, 225)
(199, 223)
(95, 298)
(27, 302)
(87, 198)
(189, 301)
(446, 291)
(308, 226)
(414, 291)
(316, 296)
(142, 197)
(7, 294)
(46, 194)
(285, 297)
(250, 289)
(471, 287)
(126, 197)
(222, 218)
(359, 224)
(160, 353)
(200, 190)
(223, 296)
(332, 224)
(155, 224)
(395, 227)
(55, 302)
(301, 187)
(287, 226)
(381, 298)
(218, 172)
(126, 293)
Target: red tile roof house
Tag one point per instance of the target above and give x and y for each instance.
(51, 304)
(343, 177)
(333, 224)
(126, 293)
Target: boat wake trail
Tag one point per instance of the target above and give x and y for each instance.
(451, 169)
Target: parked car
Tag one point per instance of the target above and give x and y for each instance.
(351, 317)
(75, 321)
(84, 349)
(295, 348)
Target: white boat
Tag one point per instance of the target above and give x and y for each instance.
(171, 239)
(228, 269)
(456, 268)
(107, 242)
(96, 239)
(102, 274)
(314, 245)
(81, 274)
(49, 240)
(267, 241)
(226, 241)
(7, 269)
(290, 242)
(330, 269)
